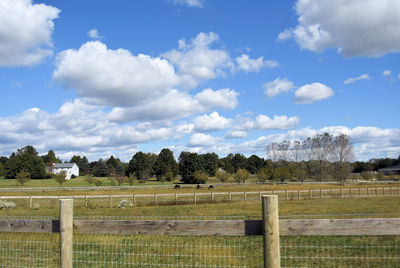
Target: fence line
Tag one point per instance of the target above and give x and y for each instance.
(197, 198)
(270, 228)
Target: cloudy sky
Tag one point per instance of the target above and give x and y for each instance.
(100, 77)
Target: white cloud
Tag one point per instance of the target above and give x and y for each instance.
(202, 140)
(236, 134)
(387, 72)
(211, 122)
(278, 86)
(324, 24)
(311, 93)
(223, 98)
(196, 62)
(176, 104)
(286, 34)
(189, 3)
(113, 77)
(94, 34)
(282, 122)
(25, 32)
(398, 76)
(246, 64)
(355, 79)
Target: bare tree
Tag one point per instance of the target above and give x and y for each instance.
(322, 148)
(308, 152)
(342, 149)
(273, 152)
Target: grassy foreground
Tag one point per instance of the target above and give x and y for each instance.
(41, 250)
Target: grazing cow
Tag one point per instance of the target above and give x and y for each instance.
(210, 187)
(177, 187)
(198, 186)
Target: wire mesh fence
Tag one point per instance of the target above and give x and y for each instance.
(95, 250)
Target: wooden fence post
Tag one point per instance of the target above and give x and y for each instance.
(272, 257)
(298, 194)
(376, 191)
(320, 193)
(66, 229)
(110, 201)
(309, 192)
(230, 196)
(287, 196)
(195, 198)
(30, 202)
(331, 193)
(86, 202)
(133, 199)
(176, 199)
(155, 199)
(244, 197)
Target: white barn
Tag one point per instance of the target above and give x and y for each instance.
(69, 168)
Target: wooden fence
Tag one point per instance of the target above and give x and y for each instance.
(196, 198)
(270, 227)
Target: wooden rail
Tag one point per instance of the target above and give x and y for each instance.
(302, 227)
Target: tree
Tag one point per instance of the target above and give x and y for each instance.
(84, 166)
(113, 162)
(265, 174)
(90, 180)
(189, 163)
(100, 169)
(50, 157)
(322, 147)
(26, 159)
(281, 174)
(254, 163)
(367, 175)
(140, 165)
(222, 176)
(23, 177)
(165, 163)
(241, 175)
(60, 177)
(200, 176)
(210, 163)
(238, 161)
(343, 153)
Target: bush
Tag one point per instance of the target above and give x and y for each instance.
(73, 176)
(241, 175)
(222, 175)
(124, 203)
(6, 205)
(98, 182)
(200, 176)
(36, 206)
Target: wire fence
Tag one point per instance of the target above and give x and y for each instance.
(95, 250)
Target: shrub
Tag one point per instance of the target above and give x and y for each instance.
(222, 175)
(131, 179)
(98, 182)
(36, 206)
(23, 177)
(200, 176)
(241, 175)
(60, 177)
(73, 176)
(90, 180)
(265, 174)
(124, 203)
(6, 205)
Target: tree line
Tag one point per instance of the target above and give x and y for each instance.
(321, 157)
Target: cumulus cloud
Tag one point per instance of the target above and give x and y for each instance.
(166, 107)
(211, 122)
(113, 77)
(196, 61)
(387, 72)
(246, 64)
(311, 93)
(355, 79)
(282, 122)
(189, 3)
(236, 134)
(94, 34)
(202, 140)
(334, 24)
(25, 32)
(76, 126)
(278, 86)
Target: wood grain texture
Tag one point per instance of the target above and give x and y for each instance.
(307, 227)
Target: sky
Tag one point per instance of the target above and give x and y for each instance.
(101, 78)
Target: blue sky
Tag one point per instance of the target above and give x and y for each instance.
(98, 78)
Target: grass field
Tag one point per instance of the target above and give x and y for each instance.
(41, 250)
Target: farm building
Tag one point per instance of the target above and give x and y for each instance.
(69, 168)
(394, 170)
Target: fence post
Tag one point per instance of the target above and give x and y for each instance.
(376, 191)
(110, 201)
(320, 193)
(195, 198)
(30, 202)
(309, 191)
(133, 199)
(272, 257)
(66, 229)
(298, 194)
(230, 196)
(287, 196)
(86, 202)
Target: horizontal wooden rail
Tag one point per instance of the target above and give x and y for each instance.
(303, 227)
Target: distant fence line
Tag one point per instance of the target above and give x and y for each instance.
(171, 186)
(270, 228)
(212, 197)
